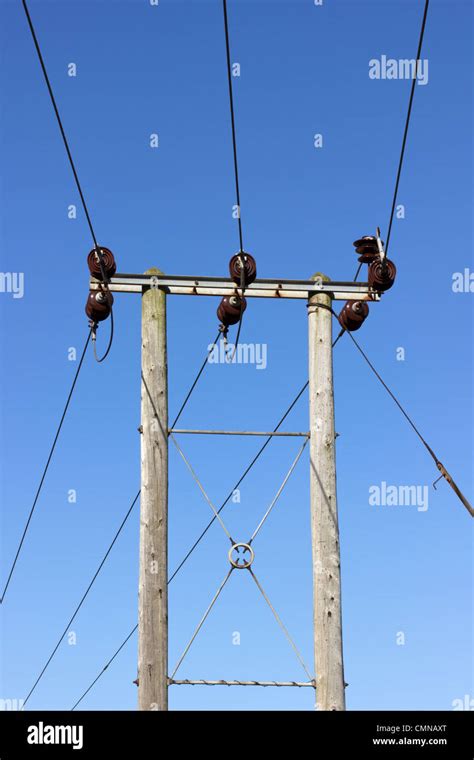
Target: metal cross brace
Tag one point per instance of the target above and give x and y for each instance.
(240, 563)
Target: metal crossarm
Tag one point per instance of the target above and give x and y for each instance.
(282, 434)
(221, 286)
(222, 682)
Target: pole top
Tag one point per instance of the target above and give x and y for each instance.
(153, 270)
(320, 276)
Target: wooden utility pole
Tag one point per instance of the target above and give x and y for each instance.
(153, 582)
(324, 522)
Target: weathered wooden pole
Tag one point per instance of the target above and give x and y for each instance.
(153, 581)
(324, 522)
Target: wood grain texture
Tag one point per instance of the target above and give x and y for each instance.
(328, 651)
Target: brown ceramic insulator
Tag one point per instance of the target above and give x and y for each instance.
(230, 310)
(353, 315)
(250, 268)
(367, 248)
(382, 274)
(99, 305)
(107, 260)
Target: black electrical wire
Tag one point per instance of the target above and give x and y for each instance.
(232, 119)
(78, 607)
(111, 545)
(188, 396)
(405, 134)
(407, 122)
(81, 194)
(43, 476)
(66, 143)
(236, 167)
(356, 276)
(100, 359)
(230, 355)
(105, 667)
(60, 124)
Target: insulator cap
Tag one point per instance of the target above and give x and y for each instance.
(353, 314)
(382, 274)
(230, 309)
(367, 248)
(250, 268)
(99, 305)
(108, 263)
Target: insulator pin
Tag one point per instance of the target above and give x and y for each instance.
(250, 268)
(99, 305)
(107, 262)
(353, 314)
(230, 309)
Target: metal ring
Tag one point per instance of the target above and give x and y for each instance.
(240, 563)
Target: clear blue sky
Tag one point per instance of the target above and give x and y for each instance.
(304, 70)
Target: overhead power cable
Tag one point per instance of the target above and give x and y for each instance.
(60, 124)
(48, 461)
(81, 195)
(109, 662)
(405, 134)
(121, 526)
(407, 122)
(78, 607)
(196, 379)
(97, 248)
(89, 222)
(232, 119)
(236, 169)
